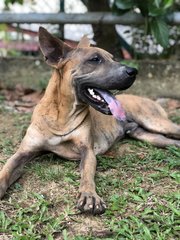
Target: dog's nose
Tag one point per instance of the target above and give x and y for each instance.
(131, 71)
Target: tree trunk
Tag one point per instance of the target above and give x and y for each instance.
(105, 35)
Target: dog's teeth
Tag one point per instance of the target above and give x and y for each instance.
(91, 91)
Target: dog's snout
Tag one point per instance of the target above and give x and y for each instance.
(131, 71)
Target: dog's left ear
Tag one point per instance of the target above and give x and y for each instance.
(84, 42)
(53, 49)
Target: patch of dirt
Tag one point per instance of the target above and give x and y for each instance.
(163, 187)
(21, 99)
(4, 236)
(119, 150)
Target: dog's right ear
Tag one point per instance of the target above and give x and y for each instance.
(53, 49)
(84, 42)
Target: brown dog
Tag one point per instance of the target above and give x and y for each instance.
(65, 121)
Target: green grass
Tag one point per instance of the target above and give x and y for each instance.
(175, 118)
(140, 189)
(33, 221)
(51, 168)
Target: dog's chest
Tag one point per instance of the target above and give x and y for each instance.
(55, 140)
(63, 147)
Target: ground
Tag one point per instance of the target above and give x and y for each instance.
(138, 182)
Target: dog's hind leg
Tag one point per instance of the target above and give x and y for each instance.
(13, 168)
(155, 139)
(162, 126)
(149, 115)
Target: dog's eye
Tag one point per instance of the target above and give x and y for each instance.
(95, 59)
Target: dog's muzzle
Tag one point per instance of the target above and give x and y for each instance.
(93, 89)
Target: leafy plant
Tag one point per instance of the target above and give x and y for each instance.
(21, 2)
(7, 2)
(154, 13)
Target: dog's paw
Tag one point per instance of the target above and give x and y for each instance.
(91, 203)
(130, 127)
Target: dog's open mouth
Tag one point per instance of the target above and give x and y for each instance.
(105, 102)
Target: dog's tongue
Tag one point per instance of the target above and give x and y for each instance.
(114, 105)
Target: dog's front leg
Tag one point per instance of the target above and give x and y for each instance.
(89, 201)
(30, 147)
(13, 169)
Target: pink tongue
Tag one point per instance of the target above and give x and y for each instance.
(114, 105)
(117, 110)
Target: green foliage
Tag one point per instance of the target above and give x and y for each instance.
(7, 2)
(154, 12)
(131, 63)
(160, 31)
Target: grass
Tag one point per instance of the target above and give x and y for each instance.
(32, 221)
(138, 182)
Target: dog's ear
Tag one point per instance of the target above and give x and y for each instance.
(84, 42)
(53, 49)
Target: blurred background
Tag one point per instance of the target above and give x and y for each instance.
(153, 38)
(142, 34)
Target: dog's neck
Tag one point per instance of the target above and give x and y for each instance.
(61, 110)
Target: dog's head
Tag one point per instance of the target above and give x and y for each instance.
(93, 72)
